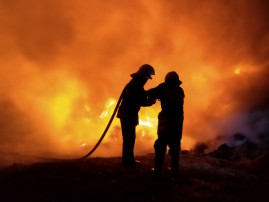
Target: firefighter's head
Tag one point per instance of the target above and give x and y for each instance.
(172, 77)
(145, 71)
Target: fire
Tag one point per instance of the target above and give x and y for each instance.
(84, 144)
(61, 74)
(108, 108)
(87, 108)
(145, 123)
(87, 119)
(237, 71)
(60, 107)
(148, 122)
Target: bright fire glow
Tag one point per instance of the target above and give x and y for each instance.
(237, 71)
(83, 145)
(65, 63)
(108, 108)
(61, 108)
(146, 123)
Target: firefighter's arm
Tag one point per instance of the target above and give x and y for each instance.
(150, 97)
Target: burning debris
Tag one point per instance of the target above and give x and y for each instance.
(239, 148)
(247, 150)
(200, 148)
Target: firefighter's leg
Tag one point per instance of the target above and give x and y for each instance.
(174, 143)
(175, 154)
(128, 134)
(160, 150)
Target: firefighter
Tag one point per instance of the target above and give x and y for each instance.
(133, 97)
(170, 121)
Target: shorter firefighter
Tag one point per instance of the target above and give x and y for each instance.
(171, 96)
(133, 97)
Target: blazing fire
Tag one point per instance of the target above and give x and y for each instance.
(64, 65)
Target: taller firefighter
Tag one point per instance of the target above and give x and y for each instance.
(133, 97)
(170, 120)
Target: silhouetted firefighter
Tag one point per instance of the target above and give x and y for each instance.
(170, 119)
(134, 96)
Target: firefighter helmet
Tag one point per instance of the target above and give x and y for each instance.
(172, 77)
(146, 70)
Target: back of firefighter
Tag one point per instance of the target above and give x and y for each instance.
(171, 96)
(134, 96)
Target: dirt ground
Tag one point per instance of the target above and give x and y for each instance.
(201, 178)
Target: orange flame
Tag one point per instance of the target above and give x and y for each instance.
(64, 64)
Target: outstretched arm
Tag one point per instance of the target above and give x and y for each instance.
(151, 96)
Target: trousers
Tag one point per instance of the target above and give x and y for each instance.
(128, 136)
(169, 134)
(160, 146)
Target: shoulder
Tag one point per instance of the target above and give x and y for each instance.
(133, 84)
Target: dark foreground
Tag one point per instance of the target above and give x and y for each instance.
(104, 179)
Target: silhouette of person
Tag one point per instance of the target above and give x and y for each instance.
(134, 96)
(170, 121)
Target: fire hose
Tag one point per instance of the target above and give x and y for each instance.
(98, 142)
(106, 129)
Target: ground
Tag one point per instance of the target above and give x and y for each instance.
(201, 178)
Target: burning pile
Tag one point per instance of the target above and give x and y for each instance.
(247, 150)
(241, 149)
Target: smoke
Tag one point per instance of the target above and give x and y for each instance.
(62, 63)
(37, 30)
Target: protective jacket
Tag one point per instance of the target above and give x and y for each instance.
(134, 96)
(171, 96)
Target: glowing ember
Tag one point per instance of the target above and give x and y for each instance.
(83, 145)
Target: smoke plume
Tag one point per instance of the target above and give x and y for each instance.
(64, 64)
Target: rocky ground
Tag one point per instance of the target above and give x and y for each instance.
(202, 178)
